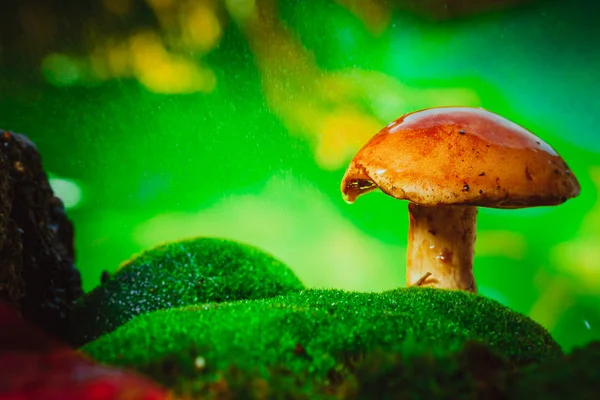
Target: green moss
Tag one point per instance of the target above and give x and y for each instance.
(189, 272)
(316, 337)
(575, 376)
(473, 372)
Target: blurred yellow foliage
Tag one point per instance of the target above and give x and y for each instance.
(337, 111)
(374, 14)
(163, 72)
(580, 257)
(340, 134)
(188, 27)
(332, 109)
(202, 27)
(555, 298)
(119, 58)
(241, 9)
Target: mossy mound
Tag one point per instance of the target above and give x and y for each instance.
(315, 337)
(201, 270)
(575, 376)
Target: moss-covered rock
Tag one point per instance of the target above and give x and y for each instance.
(37, 269)
(314, 338)
(473, 372)
(195, 271)
(575, 376)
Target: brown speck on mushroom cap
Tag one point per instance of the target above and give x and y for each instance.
(418, 158)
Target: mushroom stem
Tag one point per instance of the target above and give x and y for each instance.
(440, 241)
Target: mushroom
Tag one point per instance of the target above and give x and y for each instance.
(446, 162)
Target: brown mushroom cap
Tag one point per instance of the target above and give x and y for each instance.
(460, 155)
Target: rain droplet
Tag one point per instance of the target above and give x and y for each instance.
(587, 324)
(200, 362)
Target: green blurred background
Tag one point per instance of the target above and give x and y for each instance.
(165, 119)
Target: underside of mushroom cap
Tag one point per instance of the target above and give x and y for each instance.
(460, 155)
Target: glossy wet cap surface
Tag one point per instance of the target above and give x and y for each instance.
(460, 155)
